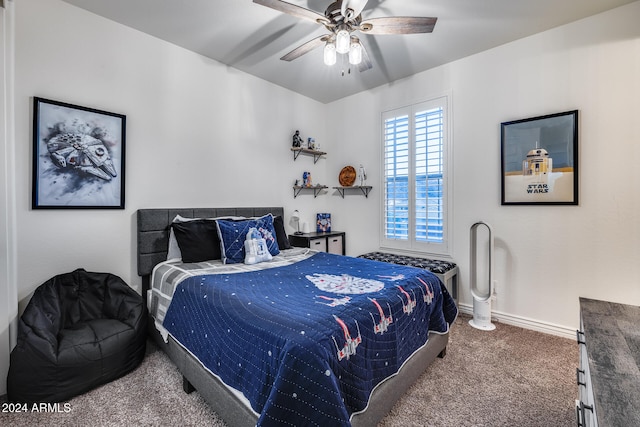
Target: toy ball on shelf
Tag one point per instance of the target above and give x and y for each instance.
(347, 176)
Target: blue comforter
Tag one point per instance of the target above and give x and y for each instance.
(307, 343)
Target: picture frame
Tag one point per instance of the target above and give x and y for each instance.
(539, 160)
(78, 157)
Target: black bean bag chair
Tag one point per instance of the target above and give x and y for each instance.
(79, 330)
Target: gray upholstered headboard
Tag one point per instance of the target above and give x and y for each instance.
(153, 229)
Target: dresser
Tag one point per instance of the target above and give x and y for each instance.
(331, 241)
(609, 373)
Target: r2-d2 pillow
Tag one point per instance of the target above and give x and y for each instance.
(255, 248)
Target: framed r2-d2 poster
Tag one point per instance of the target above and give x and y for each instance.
(540, 160)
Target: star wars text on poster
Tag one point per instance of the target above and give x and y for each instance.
(537, 188)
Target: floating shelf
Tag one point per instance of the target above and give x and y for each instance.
(364, 188)
(316, 190)
(316, 154)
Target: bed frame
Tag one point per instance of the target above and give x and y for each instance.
(153, 240)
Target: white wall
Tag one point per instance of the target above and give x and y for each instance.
(547, 256)
(8, 288)
(198, 134)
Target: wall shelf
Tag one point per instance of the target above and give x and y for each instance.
(316, 190)
(364, 188)
(315, 153)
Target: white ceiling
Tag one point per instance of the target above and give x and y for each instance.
(252, 38)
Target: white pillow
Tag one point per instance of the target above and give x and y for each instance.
(174, 249)
(173, 252)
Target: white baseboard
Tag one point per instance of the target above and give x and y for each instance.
(523, 322)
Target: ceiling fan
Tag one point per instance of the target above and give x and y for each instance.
(342, 19)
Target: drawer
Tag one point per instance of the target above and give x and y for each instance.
(318, 244)
(335, 244)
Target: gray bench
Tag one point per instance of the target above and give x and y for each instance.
(445, 270)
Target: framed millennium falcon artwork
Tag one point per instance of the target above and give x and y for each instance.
(78, 157)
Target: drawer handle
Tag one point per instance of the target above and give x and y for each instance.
(578, 418)
(578, 372)
(578, 334)
(580, 407)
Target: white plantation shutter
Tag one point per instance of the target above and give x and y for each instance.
(429, 208)
(396, 173)
(415, 196)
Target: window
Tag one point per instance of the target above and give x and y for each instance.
(414, 173)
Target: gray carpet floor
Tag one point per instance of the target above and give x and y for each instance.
(507, 377)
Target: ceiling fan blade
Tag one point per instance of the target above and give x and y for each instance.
(398, 25)
(356, 6)
(292, 9)
(365, 64)
(306, 48)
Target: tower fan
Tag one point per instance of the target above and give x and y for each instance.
(481, 298)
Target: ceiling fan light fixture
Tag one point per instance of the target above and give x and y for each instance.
(330, 53)
(341, 19)
(343, 40)
(355, 52)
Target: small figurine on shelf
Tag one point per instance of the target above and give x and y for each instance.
(306, 179)
(362, 174)
(311, 143)
(297, 140)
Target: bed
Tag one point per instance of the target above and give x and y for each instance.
(337, 357)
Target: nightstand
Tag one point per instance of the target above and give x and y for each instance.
(332, 241)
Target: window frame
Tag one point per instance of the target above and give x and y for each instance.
(411, 244)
